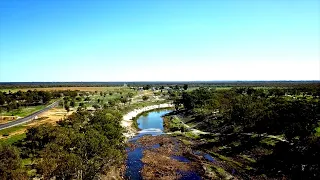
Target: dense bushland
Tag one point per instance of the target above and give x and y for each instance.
(82, 146)
(291, 114)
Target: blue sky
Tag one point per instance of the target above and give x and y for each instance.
(167, 40)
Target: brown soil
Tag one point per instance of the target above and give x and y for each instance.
(51, 117)
(5, 119)
(114, 173)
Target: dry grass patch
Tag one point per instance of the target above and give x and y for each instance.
(5, 119)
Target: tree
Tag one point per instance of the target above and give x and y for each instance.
(112, 102)
(124, 100)
(2, 99)
(185, 86)
(146, 87)
(130, 95)
(72, 103)
(46, 97)
(67, 107)
(10, 163)
(145, 98)
(82, 146)
(96, 106)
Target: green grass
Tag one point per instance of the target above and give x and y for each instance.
(10, 130)
(23, 111)
(173, 123)
(269, 141)
(230, 161)
(222, 173)
(219, 172)
(131, 107)
(247, 158)
(26, 161)
(191, 135)
(185, 142)
(13, 139)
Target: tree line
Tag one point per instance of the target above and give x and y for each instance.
(10, 101)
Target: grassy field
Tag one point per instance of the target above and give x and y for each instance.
(25, 111)
(8, 131)
(22, 112)
(13, 139)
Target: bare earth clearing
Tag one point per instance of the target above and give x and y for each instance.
(5, 119)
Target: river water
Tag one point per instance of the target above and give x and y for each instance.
(149, 124)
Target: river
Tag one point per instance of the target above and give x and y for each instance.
(150, 123)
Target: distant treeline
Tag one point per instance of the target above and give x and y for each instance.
(10, 101)
(6, 85)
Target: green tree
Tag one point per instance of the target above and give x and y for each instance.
(72, 103)
(112, 102)
(145, 98)
(46, 96)
(96, 106)
(2, 99)
(130, 95)
(67, 107)
(124, 100)
(146, 87)
(185, 86)
(83, 147)
(10, 163)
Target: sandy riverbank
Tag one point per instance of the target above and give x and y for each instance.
(127, 119)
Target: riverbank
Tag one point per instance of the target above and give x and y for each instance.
(237, 155)
(127, 121)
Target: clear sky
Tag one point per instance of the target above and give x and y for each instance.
(163, 40)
